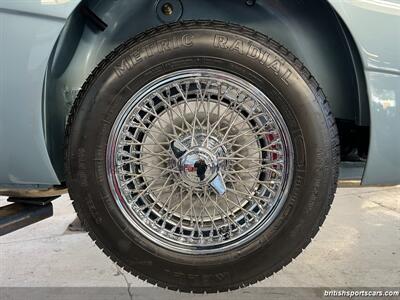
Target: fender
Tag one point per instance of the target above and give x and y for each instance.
(314, 33)
(360, 75)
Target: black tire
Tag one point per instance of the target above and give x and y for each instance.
(288, 84)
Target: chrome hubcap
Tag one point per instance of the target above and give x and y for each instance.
(198, 166)
(199, 161)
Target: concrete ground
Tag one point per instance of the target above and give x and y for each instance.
(358, 246)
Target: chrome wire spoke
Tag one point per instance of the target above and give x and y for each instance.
(199, 161)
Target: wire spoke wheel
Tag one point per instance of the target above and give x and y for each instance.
(199, 161)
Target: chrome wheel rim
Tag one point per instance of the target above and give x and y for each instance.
(199, 161)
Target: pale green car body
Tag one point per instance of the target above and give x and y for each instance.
(49, 47)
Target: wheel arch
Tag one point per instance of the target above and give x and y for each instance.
(312, 31)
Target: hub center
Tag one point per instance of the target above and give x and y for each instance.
(198, 166)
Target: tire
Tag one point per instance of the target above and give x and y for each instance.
(225, 257)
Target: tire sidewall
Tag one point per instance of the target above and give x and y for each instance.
(280, 79)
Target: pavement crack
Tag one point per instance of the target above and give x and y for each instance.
(386, 207)
(128, 284)
(31, 240)
(360, 192)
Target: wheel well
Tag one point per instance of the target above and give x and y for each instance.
(310, 29)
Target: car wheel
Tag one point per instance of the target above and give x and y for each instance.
(201, 156)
